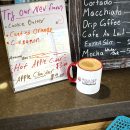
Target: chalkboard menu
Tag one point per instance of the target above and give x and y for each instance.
(101, 29)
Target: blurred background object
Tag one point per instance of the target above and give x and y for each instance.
(6, 2)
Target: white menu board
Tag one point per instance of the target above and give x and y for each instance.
(37, 43)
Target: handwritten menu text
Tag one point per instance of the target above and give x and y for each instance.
(37, 43)
(105, 29)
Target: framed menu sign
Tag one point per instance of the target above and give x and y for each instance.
(101, 29)
(36, 38)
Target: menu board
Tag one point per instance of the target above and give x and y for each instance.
(36, 38)
(25, 1)
(101, 29)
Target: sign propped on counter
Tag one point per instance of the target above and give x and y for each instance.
(101, 29)
(37, 43)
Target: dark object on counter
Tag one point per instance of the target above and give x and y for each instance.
(6, 2)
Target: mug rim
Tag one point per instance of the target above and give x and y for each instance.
(93, 59)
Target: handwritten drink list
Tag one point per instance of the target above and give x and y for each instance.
(37, 43)
(105, 30)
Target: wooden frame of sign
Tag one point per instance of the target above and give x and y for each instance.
(37, 43)
(100, 29)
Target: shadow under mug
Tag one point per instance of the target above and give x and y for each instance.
(89, 72)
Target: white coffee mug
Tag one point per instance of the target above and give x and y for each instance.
(89, 72)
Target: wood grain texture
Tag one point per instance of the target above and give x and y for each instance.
(4, 65)
(91, 126)
(73, 30)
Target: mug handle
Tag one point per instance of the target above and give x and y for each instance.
(68, 72)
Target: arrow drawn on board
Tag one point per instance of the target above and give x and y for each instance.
(60, 21)
(43, 55)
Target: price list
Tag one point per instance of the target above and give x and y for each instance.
(105, 29)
